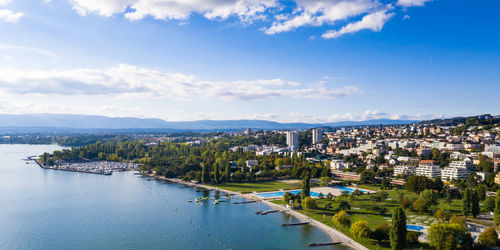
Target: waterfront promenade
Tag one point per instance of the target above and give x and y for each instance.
(335, 235)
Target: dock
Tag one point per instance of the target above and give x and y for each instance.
(244, 202)
(324, 244)
(267, 212)
(295, 224)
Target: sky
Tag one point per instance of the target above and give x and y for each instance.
(286, 61)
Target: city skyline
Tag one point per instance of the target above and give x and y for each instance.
(286, 61)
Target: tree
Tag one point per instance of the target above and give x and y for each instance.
(457, 220)
(308, 203)
(367, 176)
(306, 188)
(381, 232)
(411, 238)
(405, 203)
(489, 238)
(490, 204)
(397, 233)
(429, 197)
(417, 183)
(481, 192)
(497, 208)
(474, 203)
(438, 184)
(205, 175)
(420, 205)
(360, 229)
(386, 184)
(216, 173)
(287, 197)
(485, 164)
(356, 193)
(325, 180)
(442, 215)
(341, 219)
(446, 235)
(467, 202)
(344, 205)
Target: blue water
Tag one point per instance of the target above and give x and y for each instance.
(414, 227)
(348, 189)
(50, 209)
(280, 194)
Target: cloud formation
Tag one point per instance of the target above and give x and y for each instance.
(374, 21)
(285, 18)
(410, 3)
(127, 80)
(9, 16)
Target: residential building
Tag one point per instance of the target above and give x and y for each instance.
(252, 164)
(292, 140)
(404, 170)
(338, 165)
(497, 179)
(428, 169)
(316, 136)
(454, 173)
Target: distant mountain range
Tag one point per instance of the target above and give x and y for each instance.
(92, 122)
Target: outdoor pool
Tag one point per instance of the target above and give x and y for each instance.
(280, 194)
(348, 189)
(414, 227)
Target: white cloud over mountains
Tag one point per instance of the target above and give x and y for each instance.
(127, 80)
(302, 13)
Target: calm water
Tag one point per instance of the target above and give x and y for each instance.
(48, 209)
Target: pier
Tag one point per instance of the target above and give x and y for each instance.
(244, 202)
(267, 212)
(324, 244)
(295, 224)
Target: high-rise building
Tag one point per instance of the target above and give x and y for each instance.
(292, 140)
(248, 131)
(316, 136)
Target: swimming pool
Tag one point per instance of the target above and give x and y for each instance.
(280, 194)
(414, 227)
(348, 189)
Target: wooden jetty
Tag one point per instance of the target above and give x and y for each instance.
(267, 212)
(324, 244)
(294, 224)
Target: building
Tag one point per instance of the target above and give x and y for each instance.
(248, 131)
(292, 140)
(404, 170)
(428, 169)
(497, 179)
(466, 163)
(454, 173)
(337, 165)
(252, 164)
(316, 136)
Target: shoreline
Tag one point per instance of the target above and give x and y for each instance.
(334, 234)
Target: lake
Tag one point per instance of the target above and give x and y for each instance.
(50, 209)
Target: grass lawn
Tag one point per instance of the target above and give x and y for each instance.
(262, 186)
(361, 210)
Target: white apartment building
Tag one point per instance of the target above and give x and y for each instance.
(316, 136)
(454, 173)
(292, 140)
(429, 171)
(338, 165)
(404, 170)
(466, 163)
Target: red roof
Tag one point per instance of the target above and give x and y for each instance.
(427, 162)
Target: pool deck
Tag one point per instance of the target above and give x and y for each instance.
(323, 190)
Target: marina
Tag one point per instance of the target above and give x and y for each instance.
(90, 167)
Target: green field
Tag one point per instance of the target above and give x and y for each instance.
(262, 186)
(360, 210)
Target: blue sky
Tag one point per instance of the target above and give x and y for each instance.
(290, 61)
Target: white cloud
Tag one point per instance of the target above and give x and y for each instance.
(406, 17)
(46, 53)
(131, 81)
(317, 13)
(246, 10)
(374, 21)
(9, 16)
(410, 3)
(4, 2)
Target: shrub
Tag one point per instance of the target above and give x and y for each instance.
(381, 232)
(341, 219)
(360, 229)
(308, 203)
(488, 238)
(412, 238)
